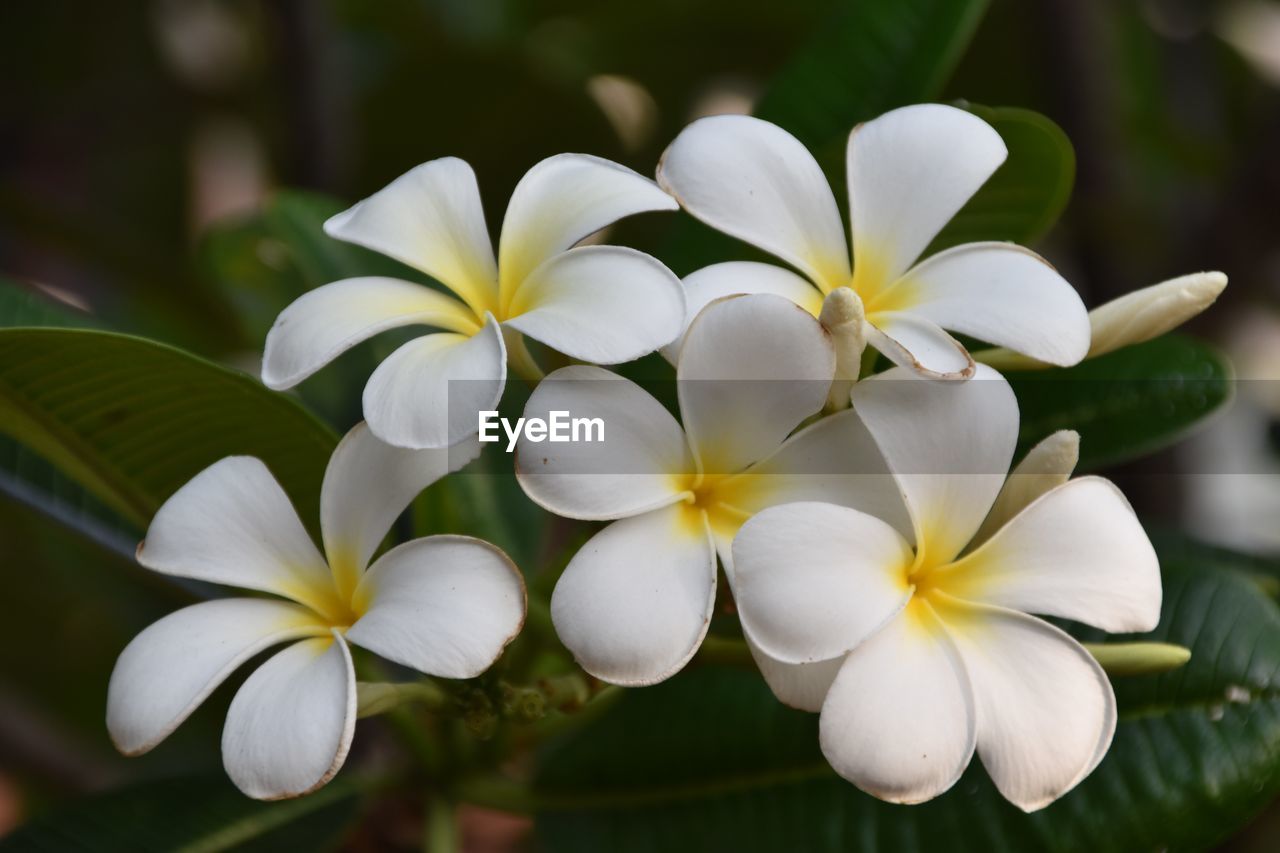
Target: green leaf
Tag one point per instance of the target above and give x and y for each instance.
(131, 420)
(192, 815)
(1127, 403)
(711, 761)
(1027, 194)
(25, 306)
(872, 57)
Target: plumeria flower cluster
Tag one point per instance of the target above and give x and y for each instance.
(883, 566)
(443, 605)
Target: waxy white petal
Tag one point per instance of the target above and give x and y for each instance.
(1046, 712)
(635, 469)
(909, 172)
(634, 603)
(752, 368)
(919, 345)
(323, 323)
(290, 725)
(603, 304)
(1077, 552)
(1003, 294)
(899, 720)
(444, 605)
(431, 219)
(813, 580)
(949, 445)
(833, 460)
(428, 392)
(367, 484)
(753, 180)
(232, 524)
(1046, 466)
(734, 278)
(803, 686)
(174, 664)
(563, 199)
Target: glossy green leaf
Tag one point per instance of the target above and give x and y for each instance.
(131, 420)
(1027, 194)
(192, 815)
(711, 761)
(870, 58)
(1127, 403)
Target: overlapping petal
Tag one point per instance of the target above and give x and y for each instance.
(603, 304)
(367, 484)
(803, 686)
(427, 393)
(444, 605)
(900, 720)
(919, 345)
(752, 368)
(753, 180)
(560, 201)
(174, 664)
(232, 524)
(1077, 552)
(734, 278)
(326, 322)
(949, 444)
(1046, 712)
(635, 469)
(909, 172)
(1000, 293)
(813, 580)
(290, 725)
(634, 603)
(1046, 466)
(430, 218)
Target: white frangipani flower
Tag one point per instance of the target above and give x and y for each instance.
(909, 171)
(443, 605)
(634, 603)
(602, 304)
(939, 656)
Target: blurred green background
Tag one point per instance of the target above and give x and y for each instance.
(143, 146)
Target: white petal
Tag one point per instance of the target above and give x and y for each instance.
(367, 485)
(920, 346)
(634, 603)
(603, 304)
(1046, 712)
(812, 580)
(1078, 552)
(833, 460)
(233, 524)
(752, 368)
(444, 605)
(753, 180)
(734, 278)
(1000, 293)
(1046, 466)
(429, 218)
(639, 466)
(899, 719)
(562, 200)
(428, 393)
(803, 686)
(174, 664)
(910, 171)
(290, 725)
(324, 323)
(948, 443)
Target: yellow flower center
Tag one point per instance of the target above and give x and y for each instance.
(711, 497)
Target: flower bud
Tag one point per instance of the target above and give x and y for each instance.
(843, 317)
(1138, 658)
(1152, 311)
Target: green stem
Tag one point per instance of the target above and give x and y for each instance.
(519, 357)
(441, 830)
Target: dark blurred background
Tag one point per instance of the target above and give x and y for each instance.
(128, 129)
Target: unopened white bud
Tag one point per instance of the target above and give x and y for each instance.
(844, 319)
(1152, 311)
